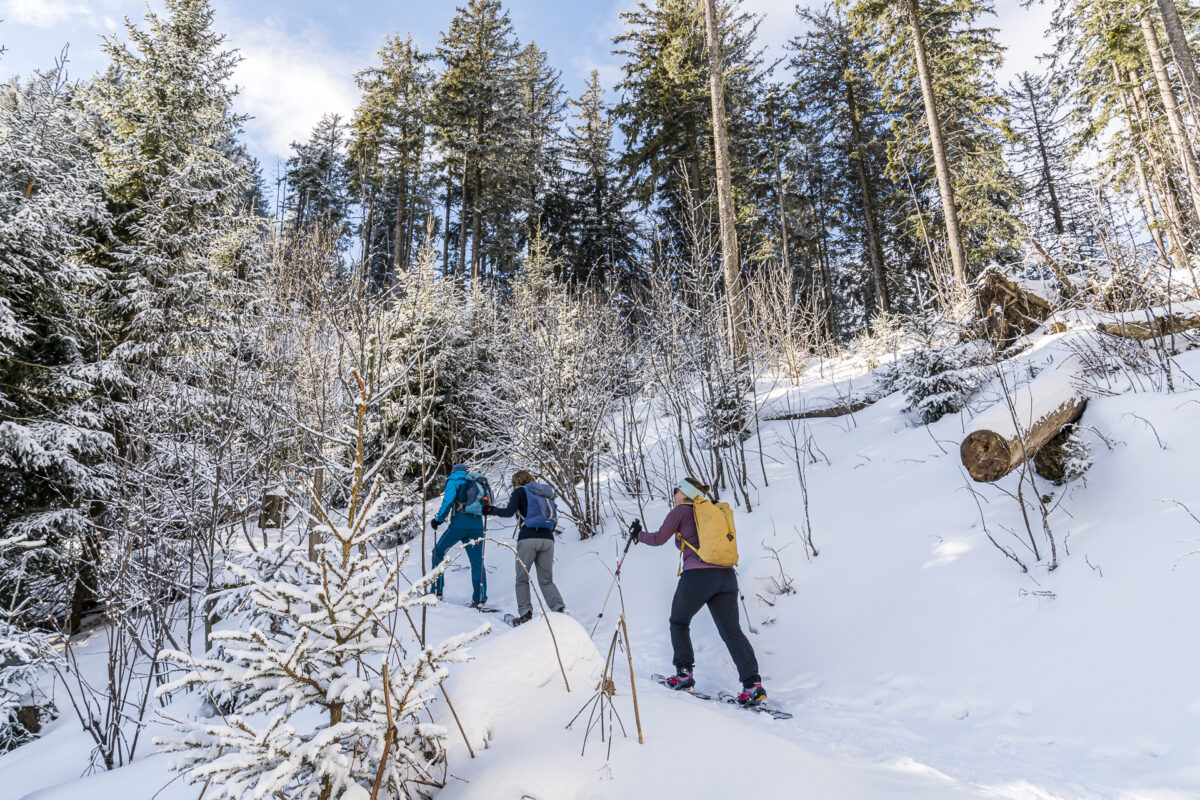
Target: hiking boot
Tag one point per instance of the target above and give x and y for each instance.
(752, 696)
(682, 680)
(521, 620)
(482, 604)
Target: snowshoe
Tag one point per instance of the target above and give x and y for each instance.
(521, 620)
(483, 608)
(671, 682)
(754, 695)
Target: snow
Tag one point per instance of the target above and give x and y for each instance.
(918, 661)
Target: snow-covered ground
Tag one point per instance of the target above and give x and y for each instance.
(918, 661)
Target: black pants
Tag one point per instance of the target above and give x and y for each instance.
(717, 588)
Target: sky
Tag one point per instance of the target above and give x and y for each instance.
(299, 56)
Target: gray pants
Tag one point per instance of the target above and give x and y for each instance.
(537, 553)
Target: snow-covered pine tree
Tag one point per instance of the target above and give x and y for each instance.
(318, 176)
(328, 683)
(430, 340)
(53, 446)
(24, 706)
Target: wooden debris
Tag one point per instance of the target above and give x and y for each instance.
(839, 410)
(1006, 310)
(1152, 328)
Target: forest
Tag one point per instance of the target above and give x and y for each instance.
(230, 399)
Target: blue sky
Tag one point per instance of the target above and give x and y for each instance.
(300, 56)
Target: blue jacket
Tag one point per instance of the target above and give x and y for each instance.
(452, 483)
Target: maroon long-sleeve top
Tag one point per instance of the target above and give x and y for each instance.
(681, 520)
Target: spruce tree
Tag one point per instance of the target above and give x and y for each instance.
(598, 237)
(318, 176)
(540, 112)
(388, 146)
(476, 102)
(835, 95)
(179, 282)
(54, 442)
(665, 111)
(1056, 200)
(953, 87)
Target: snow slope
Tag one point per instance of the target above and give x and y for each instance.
(918, 661)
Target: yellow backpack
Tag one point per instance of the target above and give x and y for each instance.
(714, 527)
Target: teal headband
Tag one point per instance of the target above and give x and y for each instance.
(689, 490)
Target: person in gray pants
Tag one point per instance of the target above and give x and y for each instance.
(533, 505)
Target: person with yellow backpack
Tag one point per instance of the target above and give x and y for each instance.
(707, 541)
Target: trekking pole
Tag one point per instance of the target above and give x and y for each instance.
(635, 528)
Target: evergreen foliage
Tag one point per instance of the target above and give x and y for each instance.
(964, 55)
(54, 439)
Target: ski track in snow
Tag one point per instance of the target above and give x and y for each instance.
(916, 659)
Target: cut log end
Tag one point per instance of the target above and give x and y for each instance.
(986, 455)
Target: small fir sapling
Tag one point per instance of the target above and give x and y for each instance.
(936, 381)
(24, 708)
(327, 689)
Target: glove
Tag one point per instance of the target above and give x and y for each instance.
(433, 523)
(487, 509)
(635, 528)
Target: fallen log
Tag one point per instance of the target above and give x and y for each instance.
(839, 410)
(1153, 328)
(1006, 434)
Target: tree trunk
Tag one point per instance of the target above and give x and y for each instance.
(446, 224)
(476, 222)
(1168, 197)
(461, 267)
(784, 256)
(958, 254)
(1174, 118)
(398, 233)
(1183, 55)
(729, 245)
(874, 248)
(1046, 174)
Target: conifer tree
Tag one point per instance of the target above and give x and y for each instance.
(1117, 109)
(838, 99)
(476, 102)
(936, 55)
(665, 110)
(388, 146)
(318, 177)
(1057, 203)
(596, 234)
(54, 439)
(327, 684)
(175, 297)
(540, 116)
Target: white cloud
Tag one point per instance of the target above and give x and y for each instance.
(46, 13)
(287, 82)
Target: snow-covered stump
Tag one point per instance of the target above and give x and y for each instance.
(1006, 434)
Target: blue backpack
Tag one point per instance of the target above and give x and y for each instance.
(472, 493)
(540, 510)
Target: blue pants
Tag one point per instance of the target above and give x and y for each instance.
(456, 534)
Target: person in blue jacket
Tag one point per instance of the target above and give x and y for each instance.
(464, 527)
